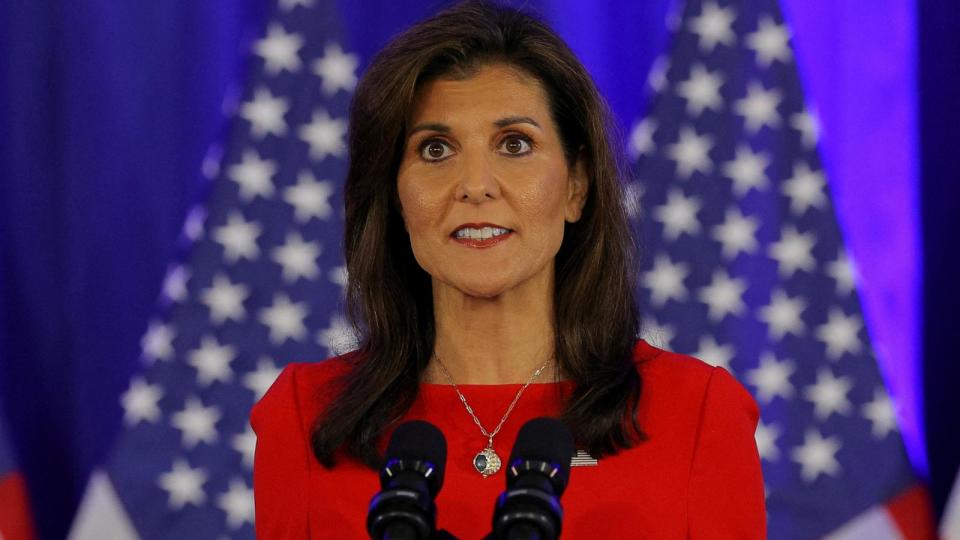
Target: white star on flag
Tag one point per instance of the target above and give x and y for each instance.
(253, 175)
(842, 271)
(881, 413)
(723, 296)
(829, 394)
(297, 258)
(805, 189)
(817, 456)
(658, 73)
(759, 107)
(212, 361)
(245, 444)
(324, 135)
(747, 170)
(737, 234)
(285, 319)
(679, 215)
(691, 152)
(339, 276)
(225, 299)
(157, 342)
(184, 485)
(794, 251)
(238, 238)
(309, 197)
(259, 381)
(771, 378)
(279, 50)
(265, 114)
(141, 402)
(665, 280)
(196, 423)
(701, 90)
(713, 353)
(783, 315)
(809, 127)
(840, 334)
(336, 69)
(175, 283)
(641, 138)
(766, 437)
(237, 502)
(713, 26)
(771, 42)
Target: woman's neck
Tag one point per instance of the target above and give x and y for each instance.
(500, 340)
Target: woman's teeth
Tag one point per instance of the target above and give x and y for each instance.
(480, 234)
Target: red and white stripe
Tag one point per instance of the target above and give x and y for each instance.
(905, 517)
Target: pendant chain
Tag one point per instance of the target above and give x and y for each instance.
(463, 399)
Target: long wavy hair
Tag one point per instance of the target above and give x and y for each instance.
(389, 296)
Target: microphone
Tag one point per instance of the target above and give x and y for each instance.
(409, 482)
(536, 478)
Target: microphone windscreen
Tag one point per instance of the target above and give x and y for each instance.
(545, 439)
(420, 440)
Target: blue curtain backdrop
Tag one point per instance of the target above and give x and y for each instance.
(107, 109)
(939, 70)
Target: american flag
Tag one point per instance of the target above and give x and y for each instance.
(745, 268)
(260, 286)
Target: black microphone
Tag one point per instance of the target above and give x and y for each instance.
(539, 468)
(409, 482)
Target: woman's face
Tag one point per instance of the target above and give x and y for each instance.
(484, 186)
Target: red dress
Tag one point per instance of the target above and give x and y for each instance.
(696, 476)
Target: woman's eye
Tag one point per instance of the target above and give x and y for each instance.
(434, 150)
(516, 146)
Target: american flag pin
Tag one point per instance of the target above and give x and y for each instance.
(583, 459)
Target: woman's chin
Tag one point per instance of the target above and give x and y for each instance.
(483, 292)
(485, 289)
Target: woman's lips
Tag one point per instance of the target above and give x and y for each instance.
(484, 242)
(480, 235)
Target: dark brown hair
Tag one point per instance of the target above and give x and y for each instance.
(389, 296)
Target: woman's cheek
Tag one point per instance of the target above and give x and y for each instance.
(415, 204)
(542, 198)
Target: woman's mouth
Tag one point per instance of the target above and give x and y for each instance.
(480, 236)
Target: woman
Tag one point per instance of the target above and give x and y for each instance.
(491, 277)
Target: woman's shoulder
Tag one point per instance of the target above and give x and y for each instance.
(685, 382)
(650, 358)
(704, 420)
(301, 390)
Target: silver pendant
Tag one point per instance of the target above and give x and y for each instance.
(487, 462)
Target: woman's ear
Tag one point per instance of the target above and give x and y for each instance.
(577, 187)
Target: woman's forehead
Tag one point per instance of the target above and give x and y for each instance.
(494, 90)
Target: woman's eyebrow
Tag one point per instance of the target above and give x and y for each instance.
(440, 128)
(510, 120)
(501, 123)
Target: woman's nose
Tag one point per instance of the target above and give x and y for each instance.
(478, 181)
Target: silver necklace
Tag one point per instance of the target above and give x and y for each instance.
(487, 462)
